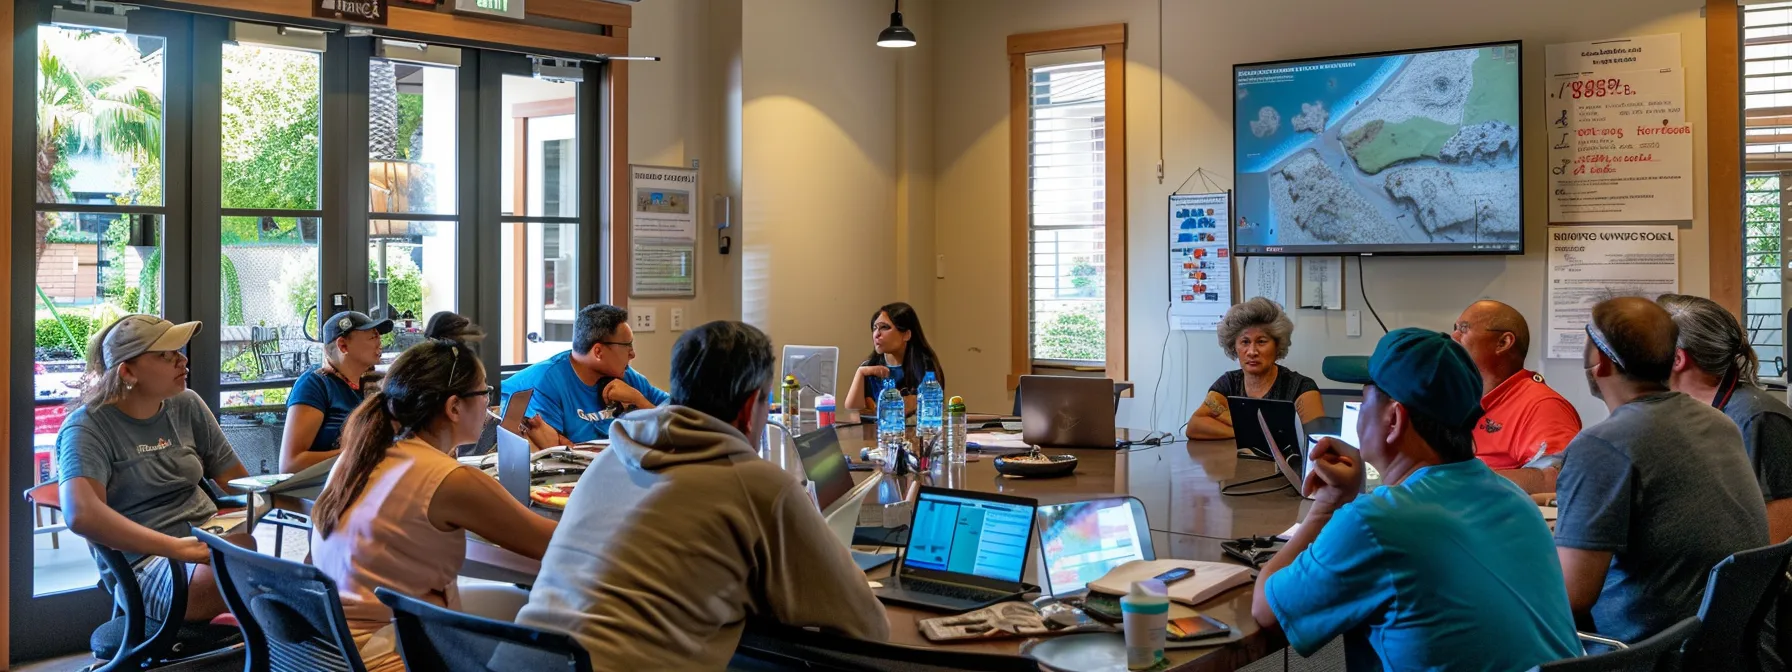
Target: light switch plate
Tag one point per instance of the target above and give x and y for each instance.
(677, 317)
(1353, 323)
(642, 319)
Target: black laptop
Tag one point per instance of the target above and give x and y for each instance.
(966, 550)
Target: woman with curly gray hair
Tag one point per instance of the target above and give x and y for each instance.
(1257, 334)
(1714, 363)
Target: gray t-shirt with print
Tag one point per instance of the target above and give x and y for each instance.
(150, 469)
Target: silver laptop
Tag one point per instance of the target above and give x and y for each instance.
(966, 550)
(835, 494)
(1067, 411)
(1347, 433)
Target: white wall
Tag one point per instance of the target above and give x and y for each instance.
(1201, 42)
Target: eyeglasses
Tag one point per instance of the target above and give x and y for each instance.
(1597, 337)
(488, 392)
(624, 344)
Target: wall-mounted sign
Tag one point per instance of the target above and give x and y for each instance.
(509, 9)
(359, 11)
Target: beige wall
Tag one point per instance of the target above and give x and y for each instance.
(1202, 40)
(825, 143)
(677, 114)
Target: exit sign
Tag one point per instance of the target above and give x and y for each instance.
(509, 9)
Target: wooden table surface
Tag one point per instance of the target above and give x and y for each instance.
(1180, 486)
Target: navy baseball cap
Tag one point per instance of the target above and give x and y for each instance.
(1422, 369)
(348, 320)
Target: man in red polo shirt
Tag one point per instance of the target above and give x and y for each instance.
(1526, 422)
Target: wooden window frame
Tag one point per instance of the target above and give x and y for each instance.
(1724, 169)
(1111, 39)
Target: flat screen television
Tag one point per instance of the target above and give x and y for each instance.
(1407, 152)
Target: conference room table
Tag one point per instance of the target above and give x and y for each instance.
(1179, 484)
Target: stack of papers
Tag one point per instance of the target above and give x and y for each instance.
(1210, 579)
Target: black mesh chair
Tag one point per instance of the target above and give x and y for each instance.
(290, 613)
(769, 646)
(1644, 656)
(142, 635)
(1741, 592)
(443, 640)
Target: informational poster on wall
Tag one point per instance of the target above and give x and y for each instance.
(1620, 148)
(663, 231)
(1589, 264)
(1266, 277)
(1200, 260)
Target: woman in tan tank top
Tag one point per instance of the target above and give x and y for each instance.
(398, 505)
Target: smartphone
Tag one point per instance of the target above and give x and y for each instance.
(1175, 575)
(1196, 627)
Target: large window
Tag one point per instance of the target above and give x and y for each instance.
(271, 209)
(99, 214)
(1069, 201)
(1767, 108)
(413, 156)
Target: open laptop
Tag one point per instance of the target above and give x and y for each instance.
(1081, 541)
(1067, 411)
(966, 550)
(1283, 421)
(1291, 461)
(835, 494)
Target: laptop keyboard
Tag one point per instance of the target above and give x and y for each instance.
(952, 591)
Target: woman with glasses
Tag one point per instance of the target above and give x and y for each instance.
(899, 352)
(398, 506)
(323, 397)
(133, 455)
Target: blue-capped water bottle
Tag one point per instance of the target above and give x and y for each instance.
(890, 422)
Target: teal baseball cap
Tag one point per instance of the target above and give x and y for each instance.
(1422, 369)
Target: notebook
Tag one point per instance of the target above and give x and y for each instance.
(1210, 579)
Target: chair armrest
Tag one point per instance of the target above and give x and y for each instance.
(1591, 638)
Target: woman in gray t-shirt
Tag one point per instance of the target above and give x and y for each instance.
(132, 455)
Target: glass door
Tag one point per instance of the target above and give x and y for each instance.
(539, 272)
(102, 201)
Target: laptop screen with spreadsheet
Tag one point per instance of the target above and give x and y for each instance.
(957, 535)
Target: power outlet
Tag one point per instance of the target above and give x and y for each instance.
(677, 319)
(643, 319)
(1353, 323)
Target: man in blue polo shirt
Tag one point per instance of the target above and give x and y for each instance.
(1446, 566)
(579, 392)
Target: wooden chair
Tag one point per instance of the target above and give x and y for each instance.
(46, 497)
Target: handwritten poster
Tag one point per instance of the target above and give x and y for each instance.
(1589, 264)
(663, 231)
(1620, 148)
(1266, 277)
(1322, 283)
(1200, 260)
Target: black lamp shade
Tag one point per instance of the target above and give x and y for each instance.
(896, 35)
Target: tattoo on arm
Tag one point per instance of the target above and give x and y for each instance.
(1214, 407)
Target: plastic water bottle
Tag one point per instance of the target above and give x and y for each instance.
(928, 407)
(890, 422)
(790, 403)
(956, 431)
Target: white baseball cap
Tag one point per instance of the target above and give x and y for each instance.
(134, 335)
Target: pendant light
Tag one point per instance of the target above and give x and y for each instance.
(897, 35)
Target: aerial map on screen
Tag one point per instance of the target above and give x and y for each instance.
(1399, 153)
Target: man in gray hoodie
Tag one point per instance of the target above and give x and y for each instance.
(679, 533)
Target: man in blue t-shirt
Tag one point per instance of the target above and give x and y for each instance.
(579, 392)
(1446, 566)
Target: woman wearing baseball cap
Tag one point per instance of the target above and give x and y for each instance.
(134, 450)
(323, 398)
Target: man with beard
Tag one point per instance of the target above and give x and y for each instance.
(1657, 494)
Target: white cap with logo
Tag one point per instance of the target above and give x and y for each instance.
(134, 335)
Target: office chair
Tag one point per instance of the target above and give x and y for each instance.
(290, 613)
(147, 629)
(1644, 656)
(433, 638)
(1740, 593)
(770, 646)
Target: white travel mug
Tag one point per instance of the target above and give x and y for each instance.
(1145, 611)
